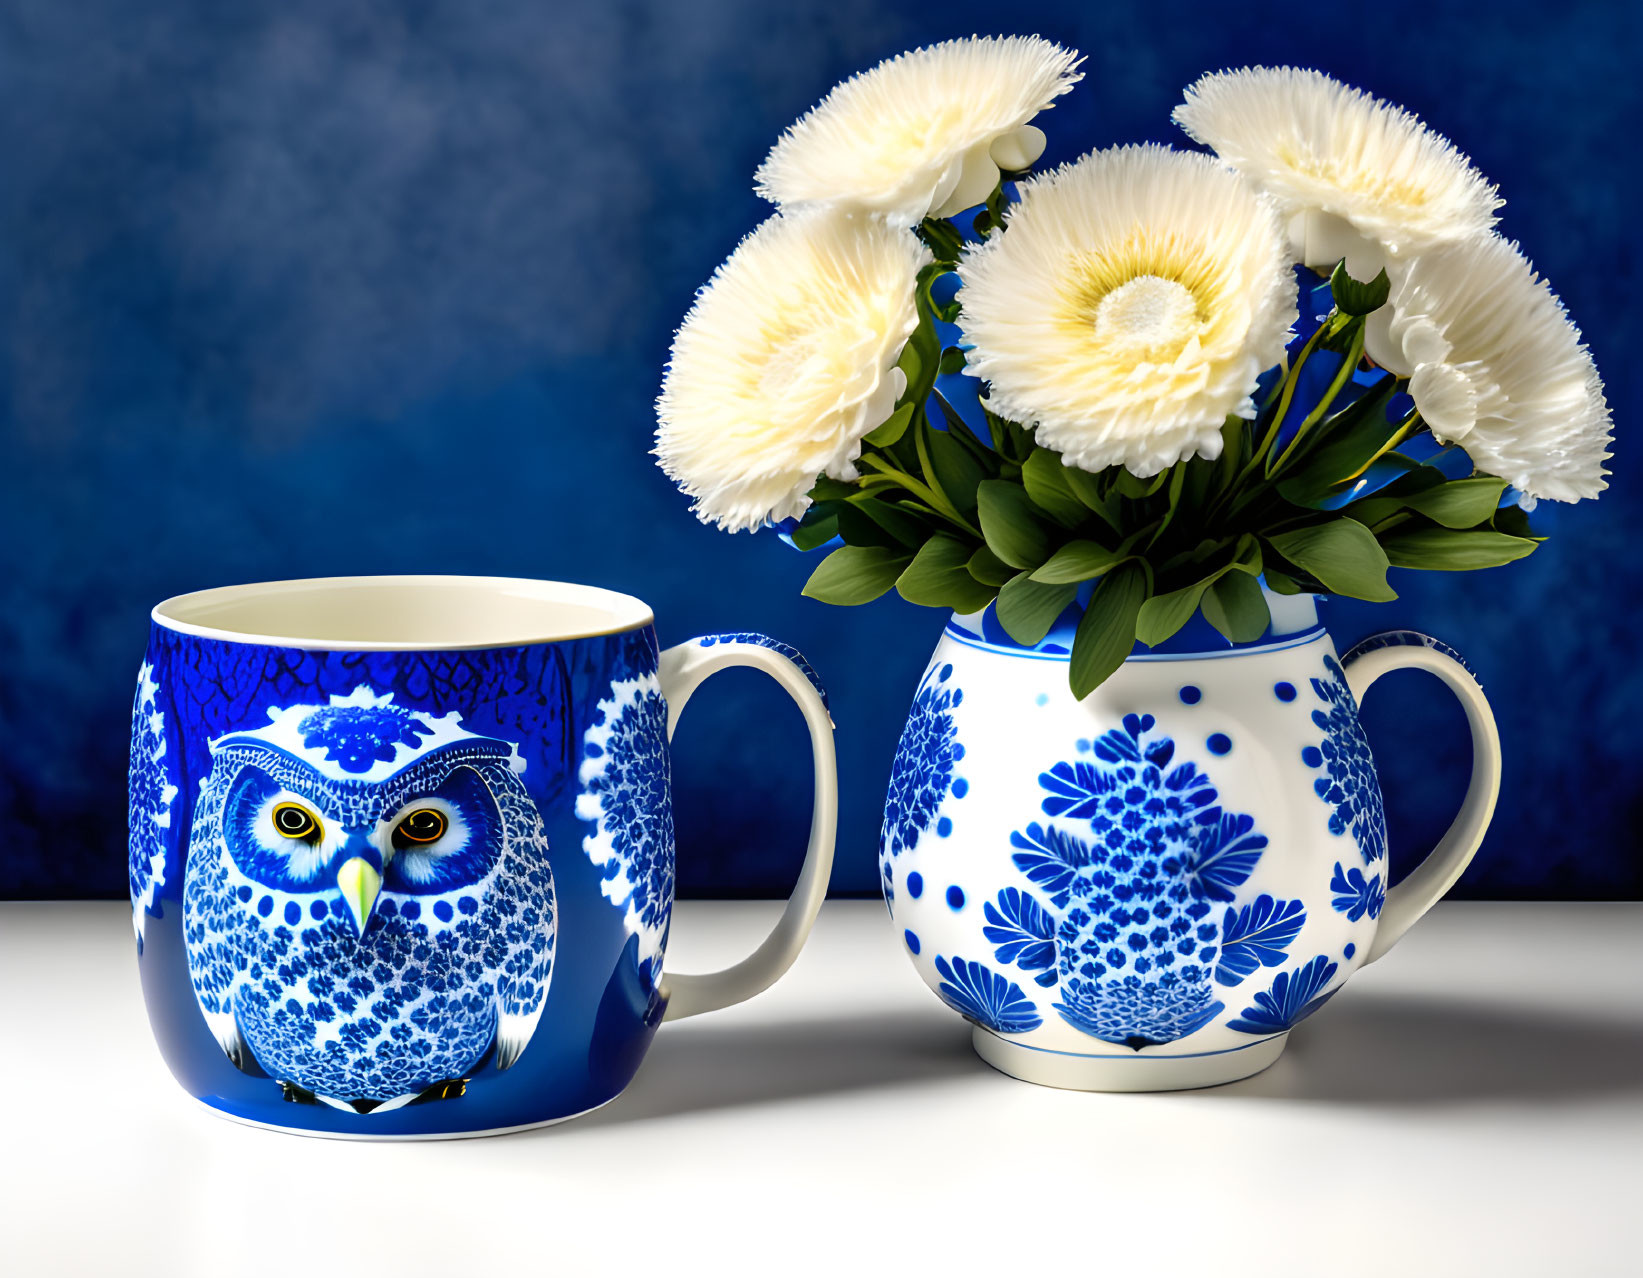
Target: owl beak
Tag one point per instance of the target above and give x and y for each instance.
(360, 883)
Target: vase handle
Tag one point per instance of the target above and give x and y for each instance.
(683, 669)
(1422, 888)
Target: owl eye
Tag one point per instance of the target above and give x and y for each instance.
(424, 826)
(296, 822)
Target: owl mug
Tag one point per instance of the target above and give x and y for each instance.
(401, 848)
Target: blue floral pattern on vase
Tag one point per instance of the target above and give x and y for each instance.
(625, 776)
(1349, 784)
(152, 792)
(1292, 997)
(923, 772)
(986, 997)
(1130, 936)
(1354, 895)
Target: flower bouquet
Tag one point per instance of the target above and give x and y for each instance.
(1087, 390)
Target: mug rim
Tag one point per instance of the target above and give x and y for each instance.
(624, 612)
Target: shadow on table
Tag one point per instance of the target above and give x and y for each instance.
(724, 1066)
(1364, 1050)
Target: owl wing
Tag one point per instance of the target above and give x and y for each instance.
(522, 989)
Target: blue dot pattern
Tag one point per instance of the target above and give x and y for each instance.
(1219, 743)
(1190, 695)
(408, 1004)
(1284, 691)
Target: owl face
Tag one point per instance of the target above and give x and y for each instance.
(431, 830)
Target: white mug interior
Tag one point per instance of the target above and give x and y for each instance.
(402, 613)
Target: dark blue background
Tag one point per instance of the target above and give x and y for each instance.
(324, 287)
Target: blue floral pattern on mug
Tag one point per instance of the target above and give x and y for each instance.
(625, 776)
(1349, 784)
(923, 772)
(152, 792)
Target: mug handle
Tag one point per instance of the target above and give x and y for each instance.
(682, 670)
(1422, 888)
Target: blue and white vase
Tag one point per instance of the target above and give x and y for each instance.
(1149, 888)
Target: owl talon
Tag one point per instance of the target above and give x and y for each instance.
(297, 1095)
(449, 1089)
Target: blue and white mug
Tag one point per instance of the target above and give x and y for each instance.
(401, 848)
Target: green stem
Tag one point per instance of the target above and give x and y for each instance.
(924, 492)
(1343, 374)
(1291, 381)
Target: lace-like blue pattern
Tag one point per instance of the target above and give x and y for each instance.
(923, 771)
(356, 738)
(1350, 784)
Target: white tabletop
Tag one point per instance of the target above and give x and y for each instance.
(1472, 1105)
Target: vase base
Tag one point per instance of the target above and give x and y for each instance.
(1128, 1073)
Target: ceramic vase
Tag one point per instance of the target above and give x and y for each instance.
(1149, 888)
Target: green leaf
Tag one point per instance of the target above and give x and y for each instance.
(952, 360)
(1087, 488)
(858, 528)
(1140, 489)
(893, 428)
(818, 527)
(907, 529)
(1461, 503)
(1355, 298)
(1076, 561)
(1027, 608)
(1162, 615)
(989, 569)
(952, 467)
(829, 489)
(1281, 583)
(1442, 550)
(940, 578)
(1045, 478)
(1007, 521)
(1235, 606)
(855, 574)
(1177, 483)
(1106, 634)
(1342, 555)
(1513, 520)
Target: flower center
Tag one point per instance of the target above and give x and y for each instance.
(1146, 316)
(790, 364)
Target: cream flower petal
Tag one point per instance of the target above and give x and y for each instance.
(1129, 307)
(785, 361)
(1329, 153)
(913, 136)
(1497, 367)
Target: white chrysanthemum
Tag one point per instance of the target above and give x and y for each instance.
(1355, 177)
(924, 133)
(785, 361)
(1496, 366)
(1129, 307)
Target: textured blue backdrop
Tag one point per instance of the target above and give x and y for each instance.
(325, 287)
